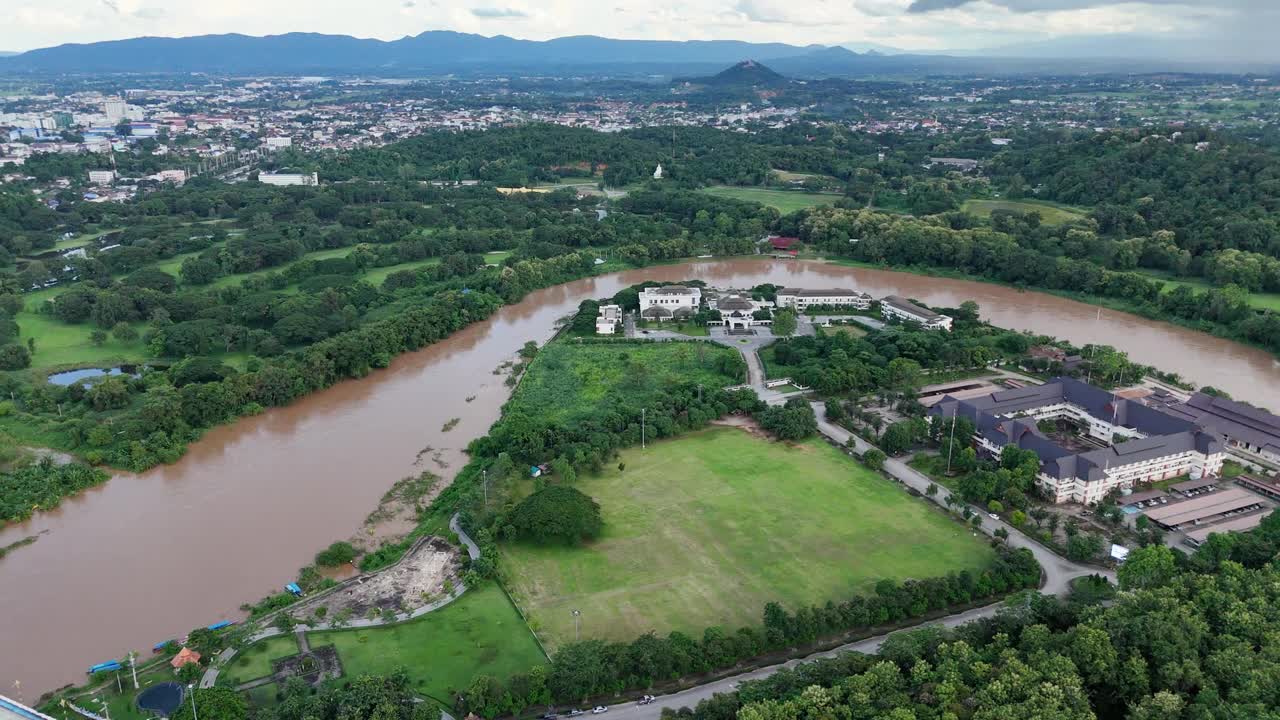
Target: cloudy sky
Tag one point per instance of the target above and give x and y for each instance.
(1237, 25)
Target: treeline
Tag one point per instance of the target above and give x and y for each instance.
(1176, 645)
(42, 485)
(950, 242)
(594, 668)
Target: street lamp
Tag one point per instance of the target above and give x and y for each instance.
(642, 412)
(577, 625)
(192, 688)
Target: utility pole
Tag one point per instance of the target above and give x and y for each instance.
(952, 442)
(642, 411)
(133, 665)
(484, 482)
(577, 625)
(192, 688)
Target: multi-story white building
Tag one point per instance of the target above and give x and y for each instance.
(669, 301)
(800, 299)
(738, 310)
(276, 143)
(609, 319)
(895, 306)
(1124, 443)
(102, 177)
(288, 179)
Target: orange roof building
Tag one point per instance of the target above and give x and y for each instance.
(187, 655)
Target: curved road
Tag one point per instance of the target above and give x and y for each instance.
(1058, 574)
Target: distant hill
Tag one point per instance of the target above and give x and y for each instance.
(436, 50)
(746, 74)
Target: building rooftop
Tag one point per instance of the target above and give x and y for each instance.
(1203, 508)
(831, 292)
(1236, 419)
(906, 305)
(1236, 524)
(14, 710)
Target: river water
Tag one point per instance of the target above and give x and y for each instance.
(147, 557)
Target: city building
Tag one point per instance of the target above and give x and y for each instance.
(115, 109)
(800, 298)
(173, 176)
(277, 143)
(609, 319)
(288, 179)
(102, 177)
(895, 306)
(738, 310)
(669, 301)
(1116, 443)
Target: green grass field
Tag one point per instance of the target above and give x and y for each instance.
(1050, 213)
(1262, 301)
(570, 379)
(786, 201)
(255, 661)
(705, 529)
(480, 633)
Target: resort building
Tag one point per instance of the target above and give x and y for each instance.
(895, 306)
(669, 301)
(800, 299)
(14, 710)
(609, 319)
(738, 310)
(1118, 443)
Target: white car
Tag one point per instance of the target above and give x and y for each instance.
(599, 709)
(993, 516)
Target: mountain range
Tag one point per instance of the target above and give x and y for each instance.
(442, 51)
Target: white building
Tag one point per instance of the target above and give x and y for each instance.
(738, 310)
(276, 143)
(115, 109)
(609, 319)
(800, 299)
(895, 306)
(657, 173)
(288, 179)
(669, 301)
(173, 176)
(102, 177)
(1134, 445)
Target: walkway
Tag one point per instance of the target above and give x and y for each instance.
(211, 674)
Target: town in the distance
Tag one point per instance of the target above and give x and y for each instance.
(764, 376)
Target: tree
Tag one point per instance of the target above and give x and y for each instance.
(213, 703)
(784, 323)
(1083, 546)
(124, 332)
(338, 553)
(874, 459)
(557, 514)
(1147, 567)
(896, 438)
(793, 421)
(98, 336)
(14, 357)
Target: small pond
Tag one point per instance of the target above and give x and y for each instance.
(69, 377)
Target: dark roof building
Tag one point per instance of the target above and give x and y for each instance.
(1251, 432)
(1157, 445)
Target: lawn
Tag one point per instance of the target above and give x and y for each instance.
(855, 331)
(569, 379)
(480, 633)
(684, 328)
(705, 529)
(1050, 213)
(59, 344)
(786, 201)
(1261, 301)
(255, 661)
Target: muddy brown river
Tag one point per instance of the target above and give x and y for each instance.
(147, 557)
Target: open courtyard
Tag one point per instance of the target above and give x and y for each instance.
(706, 528)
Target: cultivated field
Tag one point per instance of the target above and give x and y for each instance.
(1050, 213)
(705, 529)
(786, 201)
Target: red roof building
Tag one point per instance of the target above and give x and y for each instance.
(783, 243)
(187, 655)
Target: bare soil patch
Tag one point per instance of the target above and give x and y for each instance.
(416, 580)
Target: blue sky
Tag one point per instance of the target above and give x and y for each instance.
(1241, 28)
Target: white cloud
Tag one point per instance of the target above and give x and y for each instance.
(957, 23)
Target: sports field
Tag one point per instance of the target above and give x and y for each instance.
(1050, 213)
(786, 201)
(706, 528)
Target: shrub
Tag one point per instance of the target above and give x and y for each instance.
(557, 514)
(339, 553)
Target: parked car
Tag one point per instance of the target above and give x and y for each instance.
(550, 716)
(993, 516)
(646, 700)
(576, 712)
(599, 709)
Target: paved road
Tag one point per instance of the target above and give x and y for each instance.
(1059, 572)
(692, 696)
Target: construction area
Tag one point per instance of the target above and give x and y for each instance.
(428, 571)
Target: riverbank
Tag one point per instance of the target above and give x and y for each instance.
(293, 478)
